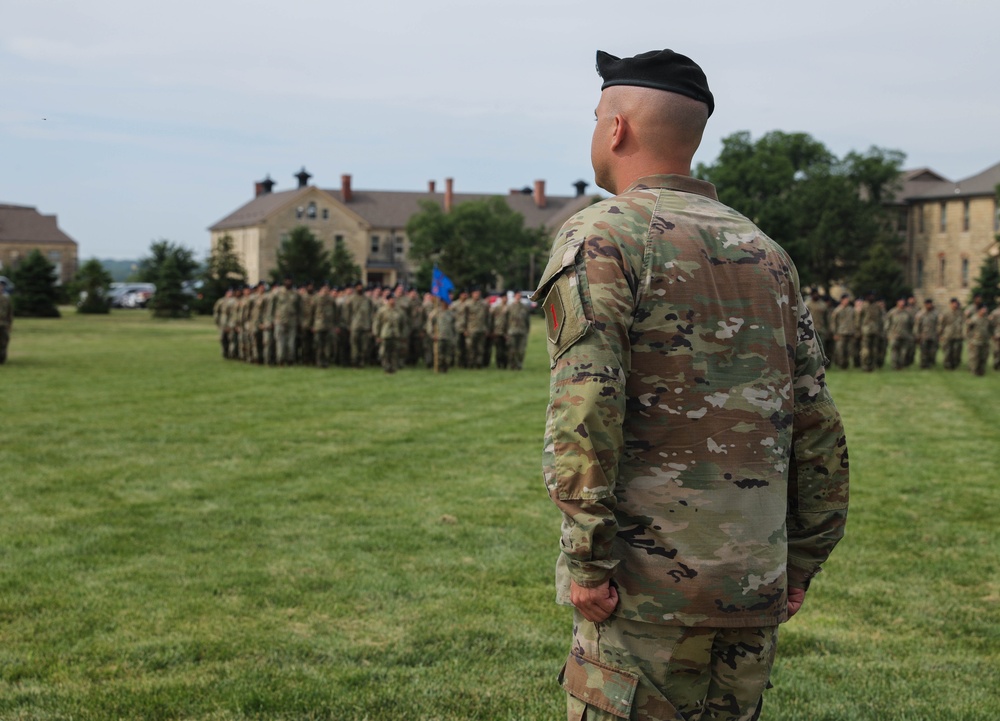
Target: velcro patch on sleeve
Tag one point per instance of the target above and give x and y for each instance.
(564, 320)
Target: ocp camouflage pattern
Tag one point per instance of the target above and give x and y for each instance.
(691, 442)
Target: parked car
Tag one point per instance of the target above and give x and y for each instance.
(130, 295)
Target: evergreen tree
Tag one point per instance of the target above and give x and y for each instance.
(343, 270)
(92, 283)
(151, 267)
(37, 287)
(881, 273)
(170, 300)
(302, 257)
(223, 270)
(988, 283)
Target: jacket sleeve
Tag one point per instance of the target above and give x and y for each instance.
(588, 305)
(818, 471)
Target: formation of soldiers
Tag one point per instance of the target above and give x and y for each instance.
(357, 327)
(863, 333)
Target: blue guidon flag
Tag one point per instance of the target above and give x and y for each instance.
(441, 285)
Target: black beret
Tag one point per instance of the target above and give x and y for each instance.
(659, 69)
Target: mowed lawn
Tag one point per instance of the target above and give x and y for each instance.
(183, 537)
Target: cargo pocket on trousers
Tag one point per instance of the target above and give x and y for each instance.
(599, 685)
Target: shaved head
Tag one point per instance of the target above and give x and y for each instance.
(664, 130)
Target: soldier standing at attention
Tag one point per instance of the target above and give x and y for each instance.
(285, 307)
(994, 317)
(390, 330)
(899, 328)
(518, 323)
(441, 335)
(461, 321)
(926, 331)
(324, 326)
(977, 333)
(950, 329)
(844, 327)
(218, 314)
(359, 318)
(498, 331)
(870, 321)
(7, 322)
(477, 325)
(699, 497)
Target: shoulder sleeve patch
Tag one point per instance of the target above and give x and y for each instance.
(565, 322)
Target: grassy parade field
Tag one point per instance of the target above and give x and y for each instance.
(188, 538)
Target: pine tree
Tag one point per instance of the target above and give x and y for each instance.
(222, 271)
(302, 257)
(92, 282)
(343, 270)
(988, 283)
(37, 287)
(170, 300)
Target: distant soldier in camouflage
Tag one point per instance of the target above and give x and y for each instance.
(977, 336)
(843, 321)
(498, 331)
(441, 333)
(390, 328)
(691, 442)
(518, 324)
(951, 328)
(870, 322)
(899, 329)
(910, 344)
(219, 316)
(359, 318)
(458, 309)
(994, 318)
(304, 337)
(417, 314)
(259, 312)
(477, 326)
(925, 328)
(285, 308)
(6, 323)
(324, 327)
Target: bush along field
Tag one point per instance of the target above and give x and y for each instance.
(190, 538)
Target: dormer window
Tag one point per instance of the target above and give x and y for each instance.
(311, 210)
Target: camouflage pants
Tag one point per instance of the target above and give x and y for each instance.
(284, 341)
(928, 352)
(515, 350)
(952, 354)
(360, 347)
(475, 348)
(869, 351)
(682, 673)
(978, 354)
(843, 351)
(4, 340)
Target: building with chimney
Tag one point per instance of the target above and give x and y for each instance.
(950, 229)
(371, 224)
(23, 229)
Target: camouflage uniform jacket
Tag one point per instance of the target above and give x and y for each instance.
(441, 325)
(871, 319)
(926, 324)
(950, 324)
(899, 324)
(477, 316)
(518, 318)
(844, 320)
(285, 306)
(359, 312)
(390, 322)
(325, 312)
(691, 442)
(6, 311)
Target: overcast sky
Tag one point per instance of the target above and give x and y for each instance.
(134, 121)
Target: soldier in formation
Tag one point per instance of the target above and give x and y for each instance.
(6, 322)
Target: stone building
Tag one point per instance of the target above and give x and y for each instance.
(950, 229)
(371, 224)
(23, 229)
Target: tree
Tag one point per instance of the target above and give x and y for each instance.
(473, 244)
(343, 270)
(169, 266)
(302, 257)
(828, 213)
(150, 268)
(223, 270)
(92, 283)
(37, 287)
(170, 300)
(881, 273)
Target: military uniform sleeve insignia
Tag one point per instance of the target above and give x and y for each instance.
(565, 320)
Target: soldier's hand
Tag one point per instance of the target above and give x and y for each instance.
(795, 598)
(594, 604)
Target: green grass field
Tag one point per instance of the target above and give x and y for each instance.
(187, 538)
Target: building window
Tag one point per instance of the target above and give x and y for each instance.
(920, 272)
(375, 244)
(944, 217)
(299, 212)
(941, 272)
(326, 213)
(965, 216)
(311, 210)
(399, 245)
(920, 218)
(338, 240)
(965, 272)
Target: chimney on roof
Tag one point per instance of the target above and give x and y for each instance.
(346, 193)
(263, 187)
(303, 177)
(581, 187)
(540, 193)
(431, 186)
(449, 194)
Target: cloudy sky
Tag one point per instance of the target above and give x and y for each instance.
(134, 121)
